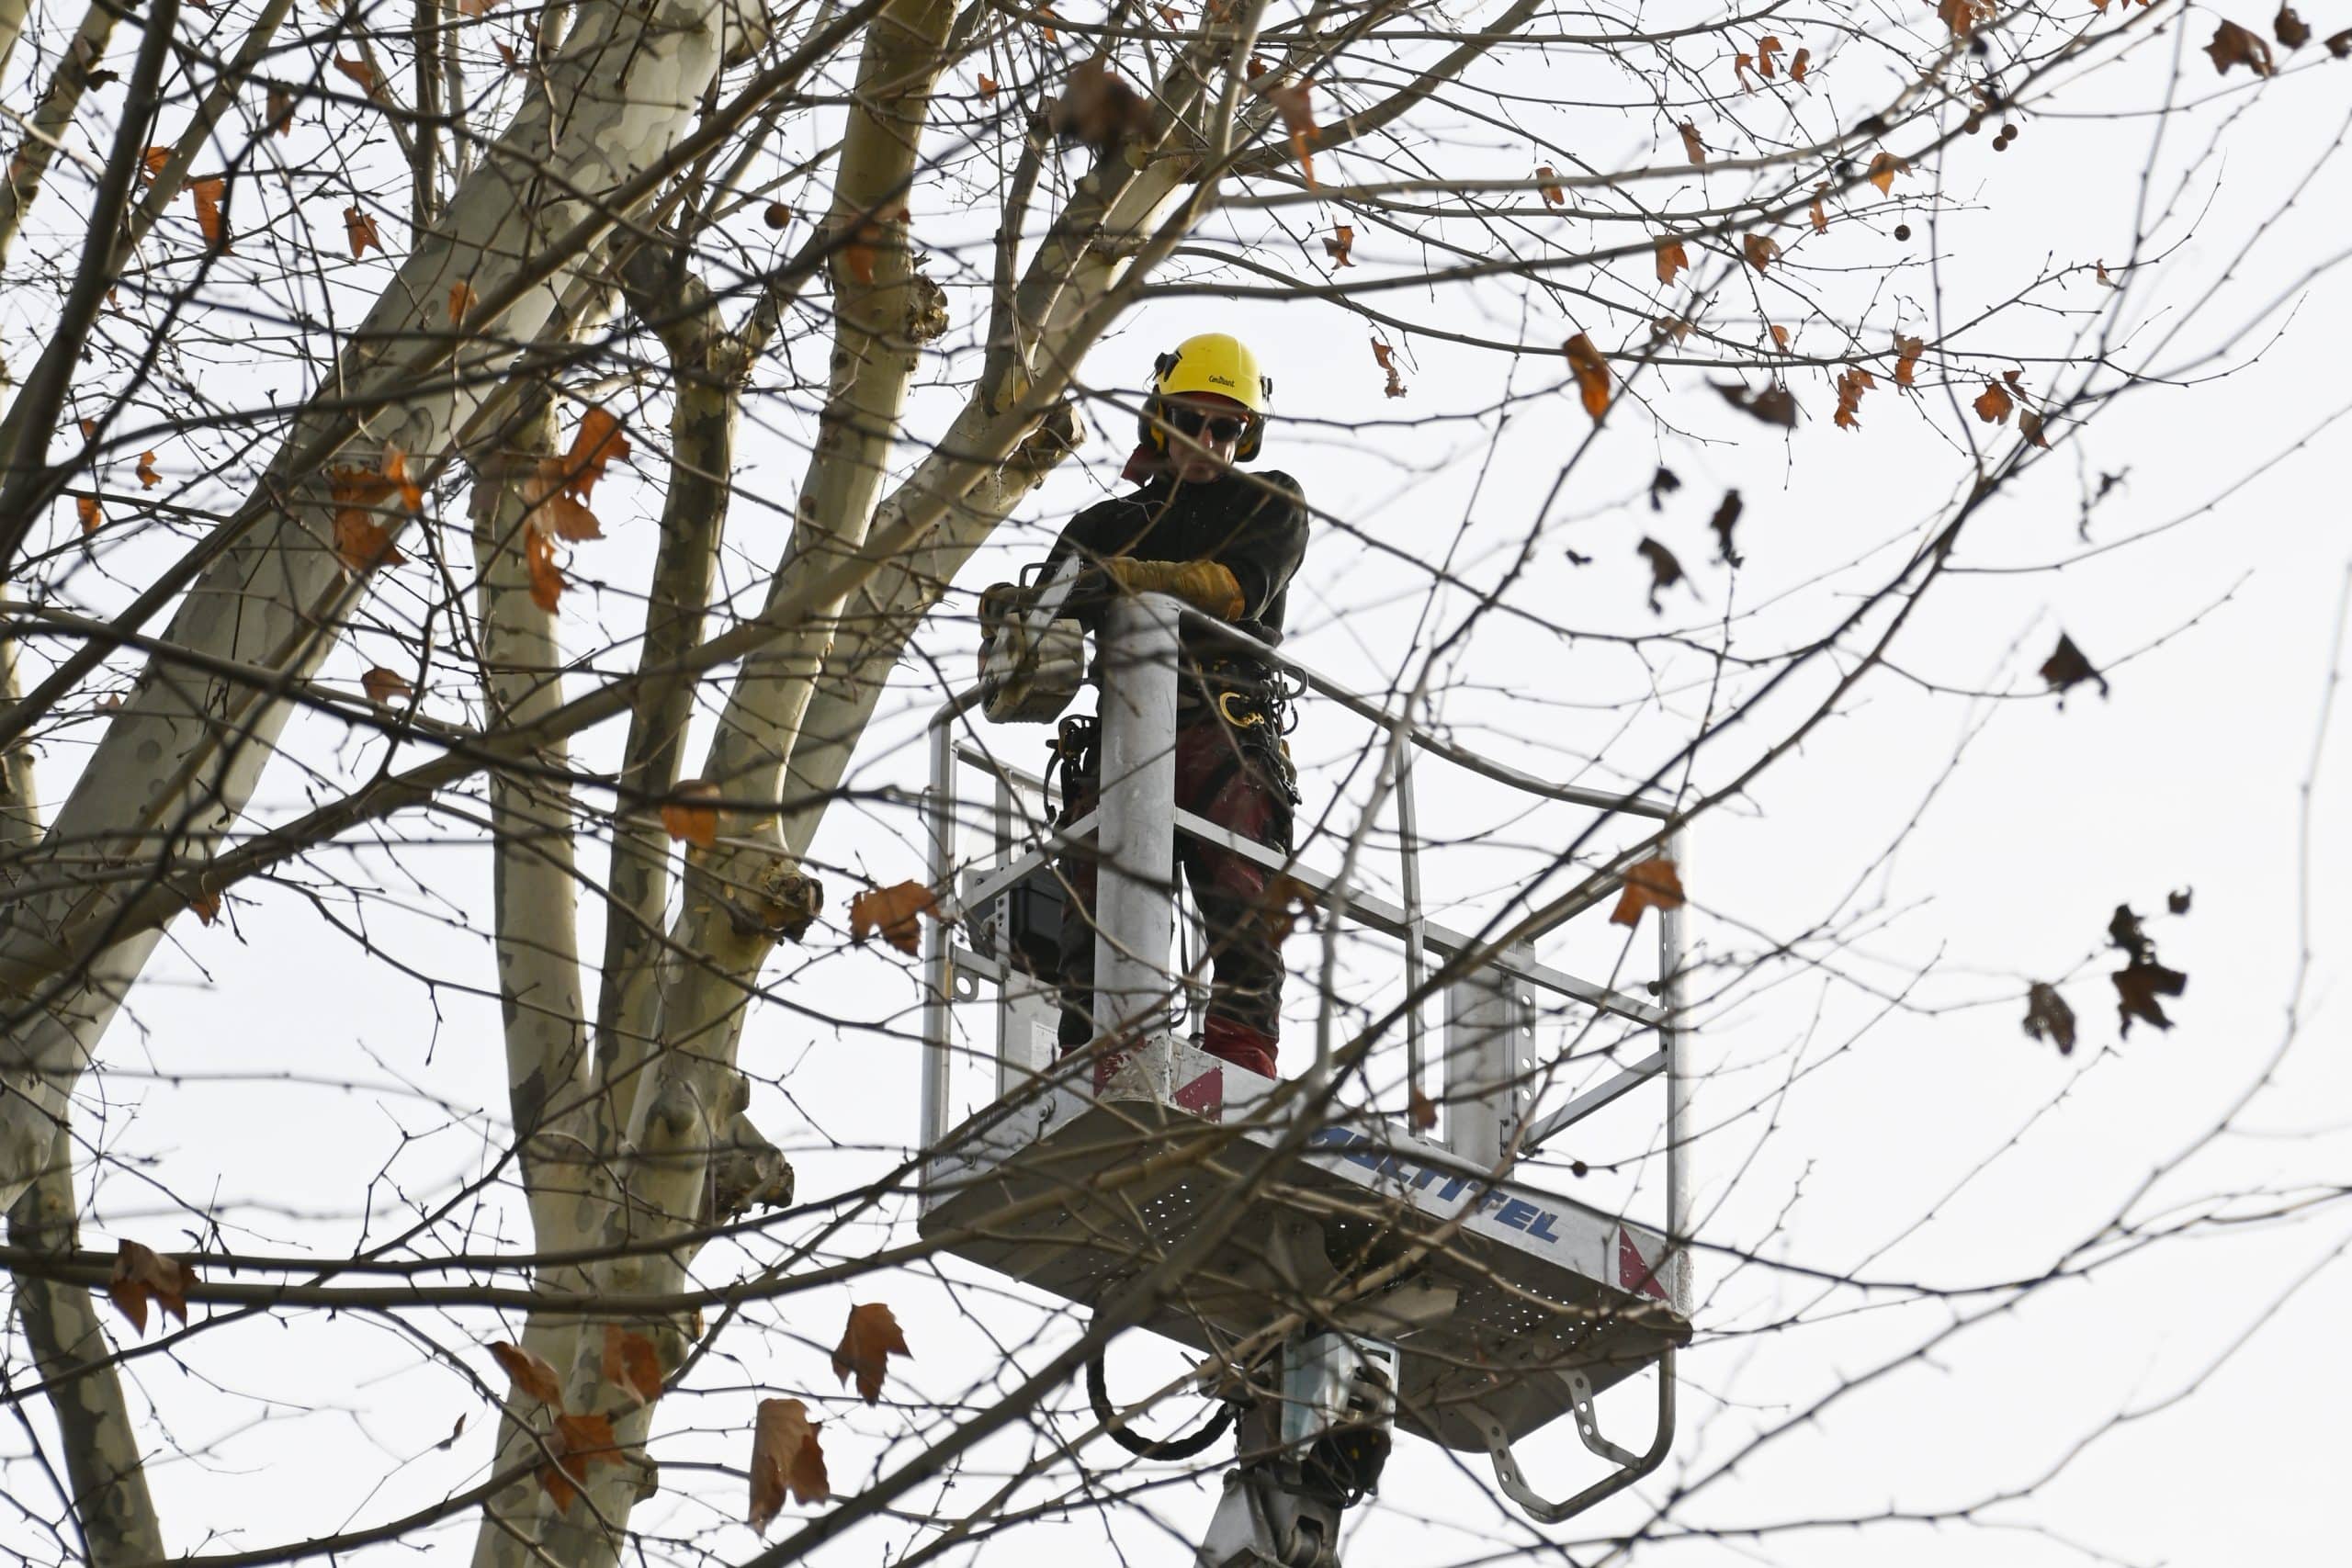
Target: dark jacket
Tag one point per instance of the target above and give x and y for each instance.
(1255, 526)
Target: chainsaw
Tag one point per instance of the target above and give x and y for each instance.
(1033, 661)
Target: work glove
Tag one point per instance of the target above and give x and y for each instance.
(1203, 584)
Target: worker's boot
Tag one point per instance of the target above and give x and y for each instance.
(1239, 1045)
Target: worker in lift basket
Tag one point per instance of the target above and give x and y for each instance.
(1226, 544)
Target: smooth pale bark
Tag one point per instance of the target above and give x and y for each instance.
(719, 941)
(1084, 252)
(568, 1205)
(739, 897)
(535, 918)
(12, 26)
(61, 1321)
(29, 163)
(177, 764)
(709, 367)
(70, 1354)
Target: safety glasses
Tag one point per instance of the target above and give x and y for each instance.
(1213, 430)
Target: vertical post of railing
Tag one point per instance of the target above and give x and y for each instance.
(1135, 911)
(938, 975)
(1409, 833)
(1678, 1078)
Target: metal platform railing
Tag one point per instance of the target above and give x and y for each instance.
(1528, 1302)
(1133, 832)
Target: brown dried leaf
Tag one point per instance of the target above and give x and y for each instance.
(1727, 517)
(1593, 375)
(1760, 251)
(631, 1364)
(1819, 215)
(462, 300)
(872, 1338)
(987, 86)
(394, 469)
(1907, 351)
(2047, 1017)
(1780, 337)
(2030, 426)
(1420, 1110)
(1672, 258)
(1665, 571)
(539, 561)
(1298, 119)
(1386, 357)
(687, 819)
(1652, 884)
(1851, 385)
(529, 1373)
(2235, 45)
(279, 114)
(384, 687)
(1884, 166)
(579, 1443)
(2066, 667)
(1663, 483)
(1962, 16)
(1740, 65)
(598, 442)
(359, 228)
(208, 193)
(1994, 405)
(892, 911)
(1342, 241)
(2137, 987)
(1766, 47)
(358, 71)
(206, 905)
(140, 1276)
(2339, 45)
(363, 543)
(784, 1458)
(150, 163)
(1096, 108)
(85, 507)
(1801, 62)
(1774, 405)
(2290, 29)
(1691, 143)
(145, 472)
(1547, 181)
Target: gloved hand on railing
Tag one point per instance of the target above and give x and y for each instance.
(1205, 585)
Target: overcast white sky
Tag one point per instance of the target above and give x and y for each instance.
(1952, 835)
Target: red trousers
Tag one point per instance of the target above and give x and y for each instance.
(1230, 783)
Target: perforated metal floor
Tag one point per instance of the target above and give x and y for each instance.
(1498, 1290)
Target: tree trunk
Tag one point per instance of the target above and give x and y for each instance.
(72, 1356)
(177, 764)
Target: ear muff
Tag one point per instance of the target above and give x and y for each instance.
(1151, 430)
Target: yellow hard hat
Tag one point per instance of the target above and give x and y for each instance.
(1210, 362)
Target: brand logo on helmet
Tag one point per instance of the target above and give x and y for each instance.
(1221, 380)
